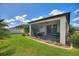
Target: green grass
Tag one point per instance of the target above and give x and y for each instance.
(18, 45)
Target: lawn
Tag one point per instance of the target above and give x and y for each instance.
(18, 45)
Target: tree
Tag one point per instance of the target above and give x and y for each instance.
(26, 29)
(3, 32)
(72, 29)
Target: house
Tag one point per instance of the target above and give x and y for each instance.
(77, 29)
(55, 28)
(17, 29)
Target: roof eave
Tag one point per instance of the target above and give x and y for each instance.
(64, 14)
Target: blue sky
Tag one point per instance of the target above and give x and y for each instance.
(20, 13)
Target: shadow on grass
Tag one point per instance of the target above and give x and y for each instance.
(7, 50)
(4, 38)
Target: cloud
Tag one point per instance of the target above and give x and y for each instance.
(76, 11)
(56, 12)
(40, 17)
(76, 19)
(8, 21)
(19, 17)
(53, 12)
(76, 25)
(12, 22)
(22, 17)
(25, 21)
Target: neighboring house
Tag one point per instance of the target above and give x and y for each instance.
(18, 29)
(77, 29)
(55, 28)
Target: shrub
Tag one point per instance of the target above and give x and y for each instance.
(75, 40)
(23, 34)
(26, 29)
(72, 30)
(4, 33)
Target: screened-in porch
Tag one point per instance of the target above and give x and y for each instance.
(54, 28)
(47, 30)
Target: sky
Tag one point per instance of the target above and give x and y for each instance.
(20, 13)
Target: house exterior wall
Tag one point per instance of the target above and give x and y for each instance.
(14, 30)
(61, 26)
(30, 30)
(63, 30)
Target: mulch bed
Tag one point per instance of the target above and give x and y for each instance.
(52, 42)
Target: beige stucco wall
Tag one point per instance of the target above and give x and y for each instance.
(63, 30)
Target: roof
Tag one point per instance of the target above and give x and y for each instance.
(64, 14)
(19, 26)
(1, 20)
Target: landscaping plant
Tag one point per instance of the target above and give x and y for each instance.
(75, 39)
